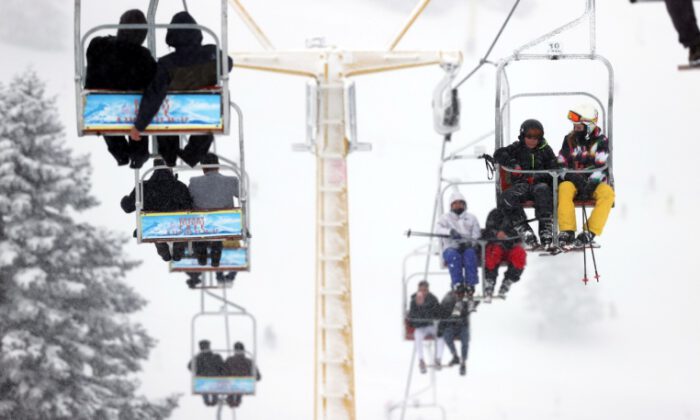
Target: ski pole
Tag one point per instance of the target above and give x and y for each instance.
(410, 233)
(595, 265)
(585, 268)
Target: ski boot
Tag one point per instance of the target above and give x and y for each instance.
(193, 280)
(505, 286)
(566, 237)
(546, 233)
(438, 364)
(583, 239)
(463, 369)
(454, 361)
(527, 236)
(694, 55)
(489, 285)
(469, 293)
(422, 367)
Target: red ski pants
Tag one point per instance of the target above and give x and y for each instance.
(516, 258)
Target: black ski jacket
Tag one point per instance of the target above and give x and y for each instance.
(450, 316)
(208, 364)
(163, 192)
(117, 63)
(191, 66)
(430, 309)
(239, 365)
(496, 221)
(518, 154)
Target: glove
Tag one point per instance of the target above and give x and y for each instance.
(455, 235)
(586, 193)
(578, 180)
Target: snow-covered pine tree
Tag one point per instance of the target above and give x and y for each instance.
(69, 349)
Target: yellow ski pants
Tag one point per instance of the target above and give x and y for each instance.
(604, 197)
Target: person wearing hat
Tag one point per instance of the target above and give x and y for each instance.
(191, 66)
(122, 63)
(584, 148)
(207, 363)
(531, 153)
(239, 365)
(162, 193)
(459, 247)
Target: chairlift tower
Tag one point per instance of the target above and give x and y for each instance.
(331, 138)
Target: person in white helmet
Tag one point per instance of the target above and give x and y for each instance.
(584, 148)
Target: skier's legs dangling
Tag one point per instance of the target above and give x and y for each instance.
(567, 211)
(604, 197)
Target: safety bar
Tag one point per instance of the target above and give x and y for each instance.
(503, 87)
(81, 56)
(243, 191)
(589, 12)
(555, 174)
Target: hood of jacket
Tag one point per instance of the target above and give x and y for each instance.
(457, 196)
(132, 36)
(178, 38)
(162, 175)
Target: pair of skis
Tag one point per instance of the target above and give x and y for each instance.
(590, 246)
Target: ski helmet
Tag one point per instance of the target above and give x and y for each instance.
(585, 114)
(530, 124)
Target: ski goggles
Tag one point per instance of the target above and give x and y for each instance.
(577, 118)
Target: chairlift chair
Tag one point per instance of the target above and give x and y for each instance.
(109, 112)
(504, 99)
(224, 385)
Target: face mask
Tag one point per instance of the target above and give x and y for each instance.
(458, 211)
(581, 136)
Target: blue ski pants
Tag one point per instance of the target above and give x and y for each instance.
(457, 331)
(463, 266)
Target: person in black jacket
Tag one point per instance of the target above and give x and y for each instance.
(191, 66)
(162, 193)
(455, 311)
(239, 365)
(207, 363)
(499, 229)
(424, 310)
(121, 63)
(530, 152)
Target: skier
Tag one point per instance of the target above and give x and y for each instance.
(239, 365)
(530, 152)
(585, 147)
(212, 191)
(682, 15)
(422, 314)
(459, 251)
(191, 66)
(121, 63)
(162, 193)
(455, 313)
(207, 363)
(499, 227)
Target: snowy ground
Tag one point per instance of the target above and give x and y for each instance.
(637, 359)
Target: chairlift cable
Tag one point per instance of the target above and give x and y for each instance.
(493, 44)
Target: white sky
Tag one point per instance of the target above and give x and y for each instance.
(638, 361)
